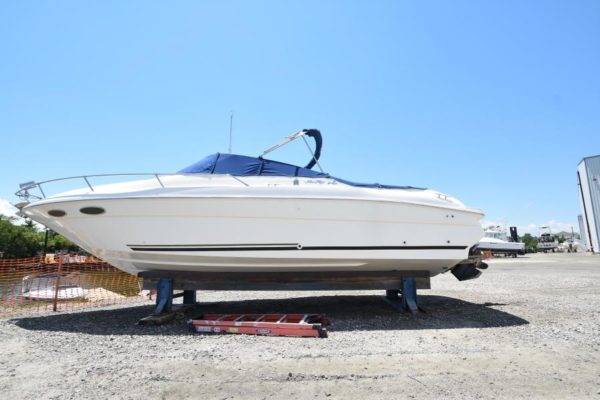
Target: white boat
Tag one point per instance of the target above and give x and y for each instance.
(44, 287)
(240, 214)
(498, 241)
(547, 241)
(63, 293)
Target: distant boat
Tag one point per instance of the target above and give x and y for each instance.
(547, 241)
(498, 241)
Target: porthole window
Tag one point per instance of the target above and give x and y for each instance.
(57, 213)
(92, 210)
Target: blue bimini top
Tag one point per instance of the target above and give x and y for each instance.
(237, 165)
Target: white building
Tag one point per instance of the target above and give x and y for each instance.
(583, 234)
(588, 179)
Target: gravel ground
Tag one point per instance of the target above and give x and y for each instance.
(527, 328)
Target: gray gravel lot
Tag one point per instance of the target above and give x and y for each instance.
(528, 328)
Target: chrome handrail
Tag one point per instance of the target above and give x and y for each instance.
(23, 192)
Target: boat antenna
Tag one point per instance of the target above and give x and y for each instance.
(230, 130)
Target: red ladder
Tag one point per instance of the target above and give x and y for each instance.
(304, 325)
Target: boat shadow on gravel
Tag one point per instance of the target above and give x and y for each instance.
(346, 313)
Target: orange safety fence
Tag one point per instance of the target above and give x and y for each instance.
(41, 285)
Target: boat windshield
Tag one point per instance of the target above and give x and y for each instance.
(546, 238)
(495, 235)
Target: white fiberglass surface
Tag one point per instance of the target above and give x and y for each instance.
(308, 222)
(285, 187)
(156, 182)
(492, 240)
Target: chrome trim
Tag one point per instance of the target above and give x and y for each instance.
(23, 192)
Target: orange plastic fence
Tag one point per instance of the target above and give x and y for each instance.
(39, 285)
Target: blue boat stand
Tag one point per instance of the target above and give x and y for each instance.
(408, 299)
(163, 312)
(164, 296)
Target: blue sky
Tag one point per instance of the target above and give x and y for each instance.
(493, 102)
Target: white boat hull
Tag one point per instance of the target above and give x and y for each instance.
(260, 231)
(547, 246)
(51, 294)
(501, 246)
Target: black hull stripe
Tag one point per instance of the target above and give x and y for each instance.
(165, 248)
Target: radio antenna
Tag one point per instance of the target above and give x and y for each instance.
(230, 130)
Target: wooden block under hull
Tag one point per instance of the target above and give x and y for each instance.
(310, 280)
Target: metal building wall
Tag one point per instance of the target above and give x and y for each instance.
(583, 234)
(589, 184)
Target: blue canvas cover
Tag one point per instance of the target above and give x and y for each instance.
(237, 165)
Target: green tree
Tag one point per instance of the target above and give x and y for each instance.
(57, 242)
(530, 241)
(19, 241)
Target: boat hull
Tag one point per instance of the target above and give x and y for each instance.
(263, 234)
(49, 294)
(502, 247)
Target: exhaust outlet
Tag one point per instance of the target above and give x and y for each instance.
(469, 268)
(464, 272)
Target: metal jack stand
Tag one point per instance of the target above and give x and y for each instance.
(164, 296)
(164, 312)
(408, 301)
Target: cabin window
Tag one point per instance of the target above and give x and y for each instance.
(92, 210)
(57, 213)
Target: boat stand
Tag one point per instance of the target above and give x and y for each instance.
(164, 311)
(407, 301)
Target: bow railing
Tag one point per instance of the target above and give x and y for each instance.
(24, 192)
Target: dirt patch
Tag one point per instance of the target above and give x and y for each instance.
(528, 328)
